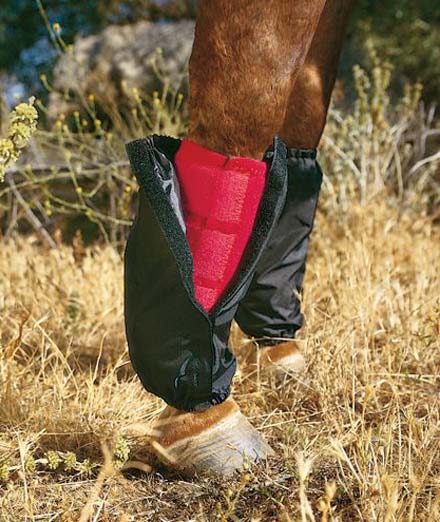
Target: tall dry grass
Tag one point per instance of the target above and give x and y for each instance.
(356, 437)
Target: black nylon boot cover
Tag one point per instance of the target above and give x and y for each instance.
(178, 350)
(271, 309)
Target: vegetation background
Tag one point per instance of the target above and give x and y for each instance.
(406, 33)
(357, 436)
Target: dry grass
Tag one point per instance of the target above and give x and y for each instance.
(364, 417)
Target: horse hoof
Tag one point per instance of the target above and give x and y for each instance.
(217, 441)
(280, 359)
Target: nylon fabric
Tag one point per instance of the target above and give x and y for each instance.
(179, 351)
(271, 309)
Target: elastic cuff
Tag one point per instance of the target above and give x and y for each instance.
(266, 341)
(217, 398)
(302, 153)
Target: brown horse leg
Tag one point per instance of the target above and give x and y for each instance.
(311, 93)
(271, 310)
(246, 57)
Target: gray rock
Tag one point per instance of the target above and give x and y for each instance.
(98, 64)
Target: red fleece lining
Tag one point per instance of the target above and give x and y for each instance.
(220, 198)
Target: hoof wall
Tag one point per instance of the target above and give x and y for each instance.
(227, 445)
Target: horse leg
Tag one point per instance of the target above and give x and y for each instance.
(271, 310)
(246, 57)
(310, 96)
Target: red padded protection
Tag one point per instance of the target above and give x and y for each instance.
(220, 197)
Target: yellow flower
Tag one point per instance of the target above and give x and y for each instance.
(20, 134)
(8, 154)
(6, 148)
(25, 112)
(23, 122)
